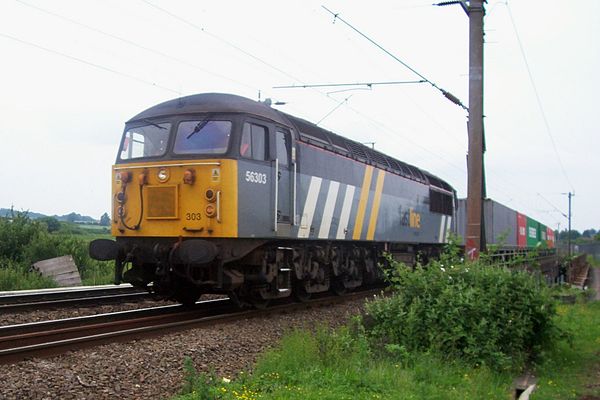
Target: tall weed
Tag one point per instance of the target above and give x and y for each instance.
(482, 314)
(14, 277)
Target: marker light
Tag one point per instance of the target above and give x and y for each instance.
(163, 175)
(189, 176)
(211, 210)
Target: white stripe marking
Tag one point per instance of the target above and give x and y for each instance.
(442, 226)
(346, 208)
(329, 208)
(309, 207)
(448, 224)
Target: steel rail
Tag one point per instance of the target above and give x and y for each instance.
(43, 339)
(47, 298)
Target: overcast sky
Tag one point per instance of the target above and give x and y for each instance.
(72, 72)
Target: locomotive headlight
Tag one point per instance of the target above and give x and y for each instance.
(189, 176)
(163, 175)
(211, 210)
(123, 177)
(210, 195)
(121, 197)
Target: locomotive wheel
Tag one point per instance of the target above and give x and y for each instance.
(300, 292)
(337, 286)
(188, 297)
(258, 302)
(186, 294)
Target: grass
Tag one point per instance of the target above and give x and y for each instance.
(355, 375)
(341, 365)
(92, 272)
(17, 279)
(97, 273)
(571, 371)
(301, 367)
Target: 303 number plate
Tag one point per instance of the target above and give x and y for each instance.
(193, 216)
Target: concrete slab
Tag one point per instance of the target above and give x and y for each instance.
(595, 282)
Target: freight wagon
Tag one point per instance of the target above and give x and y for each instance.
(506, 227)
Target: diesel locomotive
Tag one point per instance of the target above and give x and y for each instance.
(216, 193)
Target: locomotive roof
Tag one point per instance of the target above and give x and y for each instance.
(209, 103)
(308, 132)
(315, 135)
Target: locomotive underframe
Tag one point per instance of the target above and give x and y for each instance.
(254, 271)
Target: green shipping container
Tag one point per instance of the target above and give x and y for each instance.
(533, 232)
(543, 233)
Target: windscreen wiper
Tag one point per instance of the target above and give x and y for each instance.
(153, 124)
(199, 126)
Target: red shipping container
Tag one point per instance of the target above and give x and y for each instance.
(551, 239)
(521, 230)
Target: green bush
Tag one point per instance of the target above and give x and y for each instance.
(14, 277)
(24, 242)
(482, 314)
(16, 232)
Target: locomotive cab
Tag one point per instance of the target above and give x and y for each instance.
(176, 185)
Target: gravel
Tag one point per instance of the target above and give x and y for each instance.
(153, 368)
(71, 311)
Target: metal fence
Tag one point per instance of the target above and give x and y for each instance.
(592, 249)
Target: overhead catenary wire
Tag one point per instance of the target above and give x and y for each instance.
(333, 110)
(339, 103)
(237, 48)
(444, 92)
(458, 137)
(537, 97)
(553, 206)
(80, 60)
(220, 39)
(271, 66)
(392, 131)
(368, 84)
(134, 44)
(344, 102)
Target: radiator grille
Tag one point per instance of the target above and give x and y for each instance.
(162, 202)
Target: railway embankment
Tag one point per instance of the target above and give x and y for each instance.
(433, 341)
(153, 368)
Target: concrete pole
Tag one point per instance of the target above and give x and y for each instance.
(569, 232)
(475, 240)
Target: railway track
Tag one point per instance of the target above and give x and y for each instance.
(43, 339)
(24, 300)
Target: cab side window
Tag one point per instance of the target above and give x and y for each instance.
(282, 139)
(254, 142)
